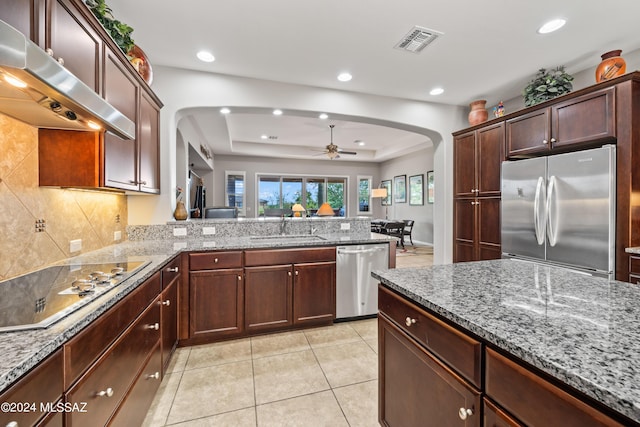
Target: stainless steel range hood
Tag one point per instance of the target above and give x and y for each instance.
(48, 95)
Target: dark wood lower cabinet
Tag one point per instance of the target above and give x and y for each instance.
(416, 389)
(216, 306)
(314, 293)
(268, 293)
(496, 417)
(477, 229)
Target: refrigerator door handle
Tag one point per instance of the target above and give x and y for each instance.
(552, 217)
(539, 214)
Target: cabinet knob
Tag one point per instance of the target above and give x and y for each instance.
(154, 327)
(463, 413)
(215, 260)
(239, 277)
(167, 302)
(409, 321)
(12, 424)
(553, 140)
(155, 376)
(173, 270)
(297, 272)
(143, 182)
(289, 273)
(105, 393)
(49, 51)
(61, 61)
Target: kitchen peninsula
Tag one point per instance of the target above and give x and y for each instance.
(514, 341)
(112, 352)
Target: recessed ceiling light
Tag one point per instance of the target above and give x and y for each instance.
(359, 142)
(344, 77)
(323, 116)
(205, 56)
(277, 112)
(552, 26)
(225, 110)
(264, 136)
(436, 91)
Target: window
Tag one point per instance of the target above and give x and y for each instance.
(234, 191)
(277, 194)
(364, 195)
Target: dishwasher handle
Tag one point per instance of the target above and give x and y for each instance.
(360, 251)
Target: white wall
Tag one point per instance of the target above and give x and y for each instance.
(412, 164)
(183, 89)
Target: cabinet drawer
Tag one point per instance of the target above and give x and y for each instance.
(170, 272)
(134, 409)
(114, 372)
(634, 265)
(460, 351)
(288, 256)
(215, 260)
(87, 346)
(535, 401)
(42, 384)
(496, 417)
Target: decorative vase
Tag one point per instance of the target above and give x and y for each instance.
(478, 113)
(612, 65)
(181, 212)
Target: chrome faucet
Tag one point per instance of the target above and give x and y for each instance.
(283, 225)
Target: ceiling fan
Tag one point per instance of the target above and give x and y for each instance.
(333, 151)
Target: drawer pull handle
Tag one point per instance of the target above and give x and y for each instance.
(463, 413)
(154, 327)
(108, 392)
(409, 321)
(173, 270)
(155, 376)
(167, 302)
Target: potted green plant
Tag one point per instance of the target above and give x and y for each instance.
(119, 31)
(547, 85)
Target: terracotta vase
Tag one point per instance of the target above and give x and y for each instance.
(478, 113)
(612, 65)
(181, 212)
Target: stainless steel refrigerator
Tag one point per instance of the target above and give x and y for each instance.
(561, 209)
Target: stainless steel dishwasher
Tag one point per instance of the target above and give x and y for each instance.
(356, 290)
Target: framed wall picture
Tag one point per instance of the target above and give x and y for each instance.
(400, 189)
(430, 187)
(387, 200)
(416, 190)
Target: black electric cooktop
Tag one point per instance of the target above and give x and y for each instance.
(39, 299)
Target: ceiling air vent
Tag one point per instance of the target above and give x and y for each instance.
(417, 39)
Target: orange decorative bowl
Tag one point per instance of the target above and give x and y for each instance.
(141, 63)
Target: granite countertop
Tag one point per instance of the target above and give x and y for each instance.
(634, 250)
(22, 350)
(580, 329)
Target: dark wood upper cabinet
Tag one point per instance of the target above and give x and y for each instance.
(74, 41)
(464, 158)
(148, 145)
(21, 15)
(576, 123)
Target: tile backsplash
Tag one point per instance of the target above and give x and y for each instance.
(38, 223)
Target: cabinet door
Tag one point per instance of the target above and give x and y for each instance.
(416, 389)
(464, 229)
(586, 119)
(268, 298)
(169, 321)
(215, 306)
(488, 225)
(495, 417)
(148, 146)
(529, 133)
(20, 14)
(314, 293)
(464, 165)
(121, 91)
(490, 154)
(72, 38)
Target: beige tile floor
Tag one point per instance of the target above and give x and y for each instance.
(317, 377)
